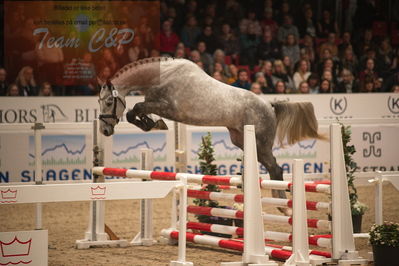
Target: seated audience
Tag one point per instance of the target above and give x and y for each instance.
(242, 80)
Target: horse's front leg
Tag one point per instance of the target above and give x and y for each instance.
(138, 116)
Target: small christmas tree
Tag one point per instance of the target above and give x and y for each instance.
(206, 158)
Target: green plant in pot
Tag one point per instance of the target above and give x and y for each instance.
(357, 208)
(385, 241)
(206, 157)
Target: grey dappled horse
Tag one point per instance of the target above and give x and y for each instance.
(179, 90)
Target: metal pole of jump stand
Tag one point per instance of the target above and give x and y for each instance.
(37, 127)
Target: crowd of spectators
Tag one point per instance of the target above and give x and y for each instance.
(267, 47)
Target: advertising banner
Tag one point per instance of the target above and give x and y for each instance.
(75, 42)
(67, 153)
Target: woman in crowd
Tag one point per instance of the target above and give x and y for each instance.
(46, 90)
(13, 90)
(325, 86)
(302, 73)
(280, 74)
(291, 49)
(26, 82)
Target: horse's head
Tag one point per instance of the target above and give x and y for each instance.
(112, 105)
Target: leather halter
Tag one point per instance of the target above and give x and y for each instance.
(116, 98)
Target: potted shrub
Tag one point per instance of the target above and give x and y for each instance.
(207, 167)
(385, 241)
(357, 208)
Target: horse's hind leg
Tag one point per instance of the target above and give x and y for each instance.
(265, 157)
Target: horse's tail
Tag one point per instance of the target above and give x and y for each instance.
(296, 121)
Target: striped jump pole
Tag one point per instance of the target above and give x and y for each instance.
(320, 241)
(239, 198)
(205, 179)
(275, 251)
(236, 214)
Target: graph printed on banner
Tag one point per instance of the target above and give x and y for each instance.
(60, 150)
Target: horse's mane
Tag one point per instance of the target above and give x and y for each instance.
(139, 63)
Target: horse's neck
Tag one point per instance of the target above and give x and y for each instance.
(137, 76)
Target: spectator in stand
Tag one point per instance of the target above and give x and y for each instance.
(46, 90)
(395, 88)
(303, 88)
(218, 67)
(180, 53)
(368, 85)
(302, 73)
(268, 49)
(256, 88)
(365, 43)
(137, 51)
(286, 29)
(265, 87)
(325, 86)
(3, 81)
(242, 80)
(146, 33)
(26, 82)
(327, 74)
(330, 44)
(218, 76)
(313, 82)
(391, 81)
(252, 21)
(368, 72)
(348, 83)
(248, 45)
(280, 87)
(266, 68)
(13, 90)
(206, 58)
(330, 65)
(103, 76)
(280, 74)
(291, 49)
(195, 56)
(219, 57)
(209, 39)
(269, 22)
(289, 66)
(307, 47)
(168, 39)
(349, 61)
(378, 84)
(233, 71)
(385, 56)
(228, 41)
(395, 62)
(327, 25)
(190, 32)
(285, 10)
(345, 43)
(108, 60)
(307, 24)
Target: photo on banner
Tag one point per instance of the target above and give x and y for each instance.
(78, 44)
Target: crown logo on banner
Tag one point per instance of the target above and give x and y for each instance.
(98, 191)
(15, 248)
(8, 196)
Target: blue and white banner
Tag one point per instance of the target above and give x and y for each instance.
(67, 152)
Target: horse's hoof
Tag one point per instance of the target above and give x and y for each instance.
(160, 124)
